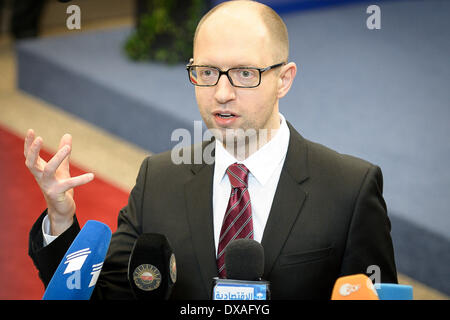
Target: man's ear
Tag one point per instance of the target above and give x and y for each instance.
(286, 78)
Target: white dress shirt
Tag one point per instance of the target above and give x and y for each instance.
(46, 231)
(265, 167)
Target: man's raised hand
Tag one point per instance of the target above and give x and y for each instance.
(53, 177)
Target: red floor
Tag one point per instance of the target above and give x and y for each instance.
(21, 202)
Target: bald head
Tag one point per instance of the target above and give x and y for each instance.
(252, 17)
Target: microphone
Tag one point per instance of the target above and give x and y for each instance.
(152, 270)
(244, 260)
(78, 271)
(354, 287)
(244, 263)
(391, 291)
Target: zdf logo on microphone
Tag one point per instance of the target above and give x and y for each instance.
(346, 289)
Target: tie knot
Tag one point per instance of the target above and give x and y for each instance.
(238, 175)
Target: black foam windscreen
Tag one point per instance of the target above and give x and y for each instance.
(244, 260)
(152, 267)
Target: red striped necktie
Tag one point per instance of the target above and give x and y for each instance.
(237, 222)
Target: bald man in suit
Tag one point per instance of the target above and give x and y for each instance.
(318, 214)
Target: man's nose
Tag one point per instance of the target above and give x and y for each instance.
(224, 90)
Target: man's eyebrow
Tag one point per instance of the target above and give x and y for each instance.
(238, 65)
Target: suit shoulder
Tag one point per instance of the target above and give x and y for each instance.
(323, 158)
(340, 175)
(341, 172)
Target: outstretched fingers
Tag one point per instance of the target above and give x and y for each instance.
(66, 140)
(55, 162)
(33, 161)
(70, 183)
(29, 138)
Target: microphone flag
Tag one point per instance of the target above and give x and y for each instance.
(78, 271)
(354, 287)
(392, 291)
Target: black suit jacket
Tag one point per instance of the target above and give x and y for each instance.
(328, 219)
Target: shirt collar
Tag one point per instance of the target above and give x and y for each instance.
(262, 163)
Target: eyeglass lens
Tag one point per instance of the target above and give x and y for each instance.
(209, 76)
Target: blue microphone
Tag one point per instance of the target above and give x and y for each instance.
(78, 271)
(391, 291)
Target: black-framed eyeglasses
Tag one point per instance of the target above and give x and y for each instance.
(241, 77)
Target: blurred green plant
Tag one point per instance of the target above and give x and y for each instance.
(165, 31)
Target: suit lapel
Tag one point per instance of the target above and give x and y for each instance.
(288, 200)
(198, 194)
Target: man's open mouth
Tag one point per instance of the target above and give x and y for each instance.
(225, 115)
